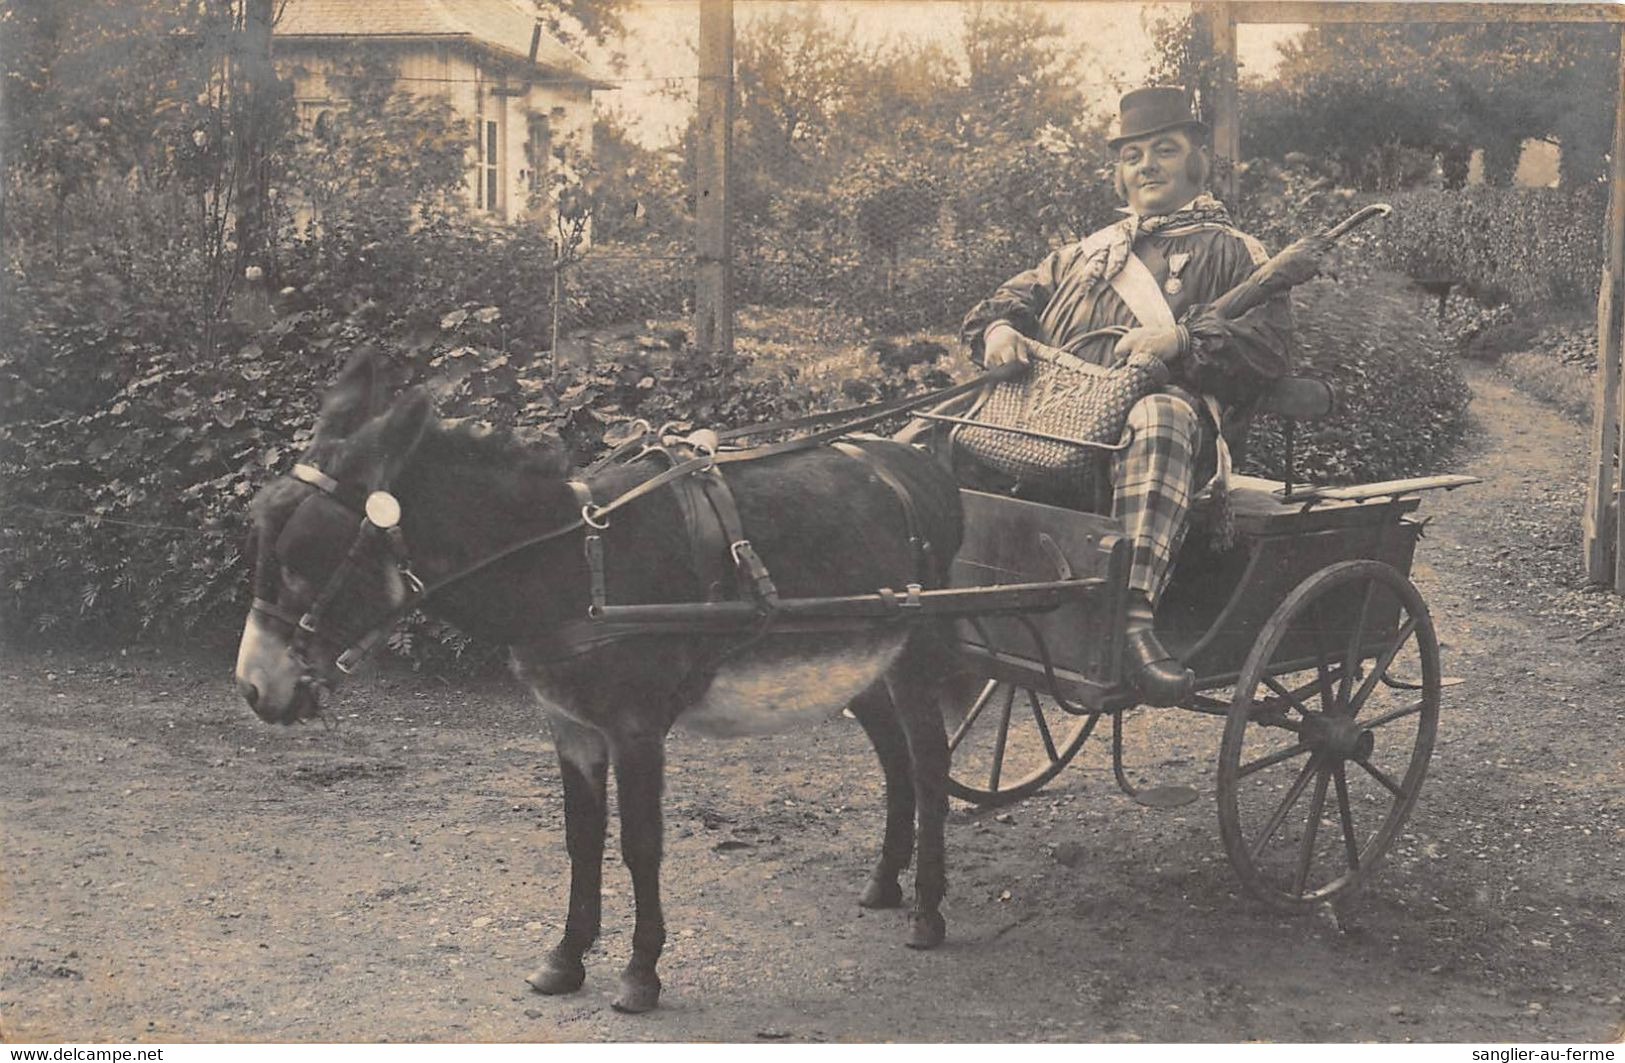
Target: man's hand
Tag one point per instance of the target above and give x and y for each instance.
(1162, 343)
(1001, 343)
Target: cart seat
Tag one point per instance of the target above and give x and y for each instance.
(1293, 398)
(1300, 398)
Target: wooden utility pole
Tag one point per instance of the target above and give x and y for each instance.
(253, 100)
(1224, 112)
(1603, 530)
(713, 273)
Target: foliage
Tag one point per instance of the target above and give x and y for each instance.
(379, 165)
(138, 409)
(1401, 398)
(1384, 103)
(1529, 246)
(642, 194)
(1503, 247)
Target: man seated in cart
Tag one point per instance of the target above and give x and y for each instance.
(1166, 261)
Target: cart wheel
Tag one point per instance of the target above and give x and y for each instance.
(1009, 743)
(1329, 734)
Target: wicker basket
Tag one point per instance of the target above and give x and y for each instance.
(1081, 407)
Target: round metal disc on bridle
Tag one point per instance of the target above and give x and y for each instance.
(383, 509)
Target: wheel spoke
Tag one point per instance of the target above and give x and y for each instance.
(1043, 728)
(1351, 656)
(1292, 696)
(1406, 630)
(1382, 777)
(1346, 815)
(1390, 717)
(1287, 802)
(998, 742)
(1306, 851)
(1274, 758)
(970, 717)
(1322, 675)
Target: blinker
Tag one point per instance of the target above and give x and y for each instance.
(383, 510)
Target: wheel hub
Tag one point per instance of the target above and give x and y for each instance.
(1339, 737)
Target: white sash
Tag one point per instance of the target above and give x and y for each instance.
(1137, 287)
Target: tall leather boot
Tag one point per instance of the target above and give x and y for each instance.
(1157, 674)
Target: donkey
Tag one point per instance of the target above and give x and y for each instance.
(824, 522)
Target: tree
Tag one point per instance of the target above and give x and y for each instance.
(1382, 102)
(1022, 74)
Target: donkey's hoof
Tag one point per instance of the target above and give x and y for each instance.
(927, 931)
(640, 992)
(881, 892)
(555, 978)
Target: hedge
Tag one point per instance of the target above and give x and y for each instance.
(1401, 397)
(1533, 247)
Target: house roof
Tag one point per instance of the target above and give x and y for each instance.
(499, 25)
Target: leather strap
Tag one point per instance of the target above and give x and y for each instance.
(911, 514)
(753, 576)
(707, 541)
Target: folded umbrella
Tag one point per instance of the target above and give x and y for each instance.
(1296, 263)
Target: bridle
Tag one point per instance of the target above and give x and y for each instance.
(380, 529)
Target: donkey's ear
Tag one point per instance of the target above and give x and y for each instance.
(399, 432)
(354, 399)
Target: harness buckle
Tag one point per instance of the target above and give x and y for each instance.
(761, 582)
(589, 520)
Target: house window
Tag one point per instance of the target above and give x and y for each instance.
(318, 119)
(539, 146)
(488, 194)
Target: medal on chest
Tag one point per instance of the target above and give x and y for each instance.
(1176, 265)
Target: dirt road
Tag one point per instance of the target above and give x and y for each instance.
(173, 870)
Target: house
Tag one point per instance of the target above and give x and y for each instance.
(527, 97)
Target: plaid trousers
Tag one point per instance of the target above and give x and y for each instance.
(1153, 481)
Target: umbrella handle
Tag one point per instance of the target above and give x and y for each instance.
(1357, 219)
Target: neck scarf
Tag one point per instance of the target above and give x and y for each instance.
(1105, 251)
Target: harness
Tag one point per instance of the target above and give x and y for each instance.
(715, 531)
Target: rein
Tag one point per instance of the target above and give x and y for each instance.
(708, 442)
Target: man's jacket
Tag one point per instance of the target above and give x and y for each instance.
(1065, 296)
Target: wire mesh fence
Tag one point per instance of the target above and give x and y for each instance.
(896, 177)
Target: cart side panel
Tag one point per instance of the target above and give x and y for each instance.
(1279, 563)
(1010, 540)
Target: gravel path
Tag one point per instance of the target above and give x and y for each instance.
(174, 870)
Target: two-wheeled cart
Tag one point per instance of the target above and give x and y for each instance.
(1307, 638)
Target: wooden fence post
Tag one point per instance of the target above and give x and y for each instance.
(1602, 527)
(713, 240)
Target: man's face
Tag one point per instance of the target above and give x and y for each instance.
(1160, 172)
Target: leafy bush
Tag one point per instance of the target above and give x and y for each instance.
(906, 245)
(1401, 398)
(133, 506)
(1531, 246)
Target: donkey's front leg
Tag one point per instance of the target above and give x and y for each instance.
(583, 761)
(640, 763)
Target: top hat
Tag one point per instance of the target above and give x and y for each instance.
(1151, 110)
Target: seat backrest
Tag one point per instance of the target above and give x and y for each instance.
(1300, 398)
